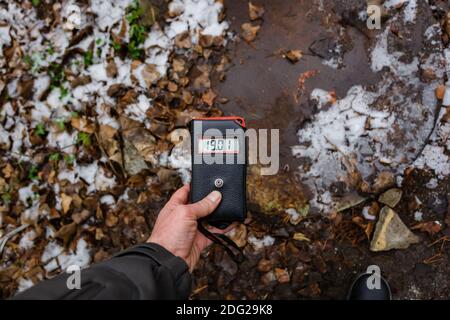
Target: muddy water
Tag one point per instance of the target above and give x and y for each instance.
(261, 85)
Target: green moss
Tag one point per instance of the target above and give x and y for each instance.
(138, 32)
(56, 74)
(60, 124)
(84, 138)
(69, 159)
(33, 173)
(54, 157)
(88, 58)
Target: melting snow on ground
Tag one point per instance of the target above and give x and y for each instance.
(377, 129)
(54, 256)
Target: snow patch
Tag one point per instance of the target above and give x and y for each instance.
(434, 157)
(137, 111)
(54, 256)
(381, 57)
(258, 244)
(24, 284)
(27, 240)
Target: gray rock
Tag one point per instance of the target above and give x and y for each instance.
(391, 197)
(391, 232)
(350, 200)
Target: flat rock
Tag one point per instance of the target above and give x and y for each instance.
(349, 201)
(391, 197)
(134, 162)
(391, 232)
(272, 194)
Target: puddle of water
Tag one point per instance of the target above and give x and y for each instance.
(262, 85)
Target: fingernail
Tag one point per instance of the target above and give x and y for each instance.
(214, 196)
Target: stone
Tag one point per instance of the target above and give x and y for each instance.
(134, 162)
(350, 200)
(391, 232)
(391, 197)
(144, 142)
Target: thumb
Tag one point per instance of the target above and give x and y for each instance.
(205, 206)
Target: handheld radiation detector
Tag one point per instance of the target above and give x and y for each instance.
(219, 160)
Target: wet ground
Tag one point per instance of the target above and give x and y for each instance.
(262, 86)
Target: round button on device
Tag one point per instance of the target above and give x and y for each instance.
(218, 183)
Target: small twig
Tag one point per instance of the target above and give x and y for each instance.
(436, 258)
(198, 290)
(428, 138)
(444, 238)
(9, 235)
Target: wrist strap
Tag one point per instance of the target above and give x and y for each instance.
(229, 245)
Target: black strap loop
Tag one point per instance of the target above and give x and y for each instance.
(225, 242)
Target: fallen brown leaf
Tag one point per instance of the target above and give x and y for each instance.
(82, 124)
(111, 220)
(66, 233)
(66, 202)
(208, 97)
(282, 275)
(431, 227)
(254, 11)
(249, 31)
(440, 91)
(294, 55)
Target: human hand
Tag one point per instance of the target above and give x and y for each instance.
(176, 230)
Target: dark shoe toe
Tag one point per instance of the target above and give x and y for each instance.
(367, 287)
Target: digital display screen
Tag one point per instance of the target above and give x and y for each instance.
(223, 145)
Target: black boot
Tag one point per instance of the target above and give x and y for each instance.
(360, 290)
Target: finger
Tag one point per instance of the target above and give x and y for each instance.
(205, 206)
(180, 197)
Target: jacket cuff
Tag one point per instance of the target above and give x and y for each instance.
(162, 257)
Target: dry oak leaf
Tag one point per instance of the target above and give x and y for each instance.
(82, 124)
(66, 201)
(254, 11)
(249, 31)
(67, 232)
(111, 220)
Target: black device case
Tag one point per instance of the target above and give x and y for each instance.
(233, 205)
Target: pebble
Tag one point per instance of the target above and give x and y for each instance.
(391, 232)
